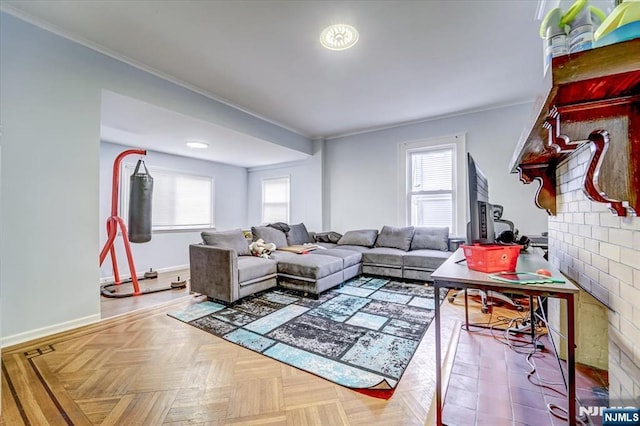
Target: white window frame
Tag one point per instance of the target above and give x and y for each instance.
(263, 204)
(405, 149)
(127, 169)
(412, 192)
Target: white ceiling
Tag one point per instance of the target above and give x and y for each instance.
(415, 60)
(128, 121)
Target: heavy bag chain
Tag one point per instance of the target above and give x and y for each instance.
(140, 200)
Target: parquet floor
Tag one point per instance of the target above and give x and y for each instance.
(147, 368)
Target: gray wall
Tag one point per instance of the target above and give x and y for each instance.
(50, 115)
(51, 219)
(361, 171)
(169, 249)
(305, 189)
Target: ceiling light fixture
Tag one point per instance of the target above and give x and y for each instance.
(197, 144)
(339, 37)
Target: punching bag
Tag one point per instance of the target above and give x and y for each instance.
(140, 197)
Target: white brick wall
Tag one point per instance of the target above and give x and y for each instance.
(601, 253)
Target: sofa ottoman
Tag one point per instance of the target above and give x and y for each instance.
(309, 273)
(351, 261)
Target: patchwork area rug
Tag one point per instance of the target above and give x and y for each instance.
(361, 336)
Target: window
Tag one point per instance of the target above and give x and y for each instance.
(431, 183)
(180, 201)
(431, 192)
(275, 200)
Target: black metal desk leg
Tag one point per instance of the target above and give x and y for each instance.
(466, 309)
(532, 316)
(571, 357)
(438, 356)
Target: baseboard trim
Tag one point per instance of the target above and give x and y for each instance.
(47, 331)
(111, 279)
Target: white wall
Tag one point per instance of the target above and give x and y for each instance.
(361, 180)
(169, 249)
(305, 189)
(50, 115)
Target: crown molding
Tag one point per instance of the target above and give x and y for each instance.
(427, 119)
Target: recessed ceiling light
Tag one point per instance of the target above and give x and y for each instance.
(197, 144)
(339, 37)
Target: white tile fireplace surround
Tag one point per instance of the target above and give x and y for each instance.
(601, 253)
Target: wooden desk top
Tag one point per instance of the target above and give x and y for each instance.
(528, 261)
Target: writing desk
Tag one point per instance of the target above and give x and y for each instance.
(453, 273)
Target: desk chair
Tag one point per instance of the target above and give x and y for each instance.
(500, 226)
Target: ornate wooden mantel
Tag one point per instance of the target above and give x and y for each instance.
(591, 97)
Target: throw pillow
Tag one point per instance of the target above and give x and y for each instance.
(269, 235)
(434, 238)
(231, 239)
(393, 237)
(280, 226)
(298, 234)
(328, 237)
(360, 237)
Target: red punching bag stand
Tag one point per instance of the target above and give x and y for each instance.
(115, 221)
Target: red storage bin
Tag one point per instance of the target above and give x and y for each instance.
(491, 258)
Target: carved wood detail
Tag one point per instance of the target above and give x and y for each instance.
(593, 89)
(545, 175)
(558, 142)
(598, 145)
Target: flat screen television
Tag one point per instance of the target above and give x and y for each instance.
(480, 226)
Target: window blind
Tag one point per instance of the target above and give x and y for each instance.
(431, 187)
(180, 201)
(275, 200)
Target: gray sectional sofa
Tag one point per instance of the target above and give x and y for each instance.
(224, 269)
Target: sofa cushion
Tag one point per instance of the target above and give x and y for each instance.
(360, 249)
(279, 255)
(349, 257)
(425, 259)
(393, 237)
(433, 238)
(231, 239)
(269, 235)
(361, 237)
(298, 234)
(327, 245)
(251, 267)
(309, 266)
(383, 256)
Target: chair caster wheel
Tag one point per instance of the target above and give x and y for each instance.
(451, 299)
(485, 309)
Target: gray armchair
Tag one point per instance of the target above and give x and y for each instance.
(222, 275)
